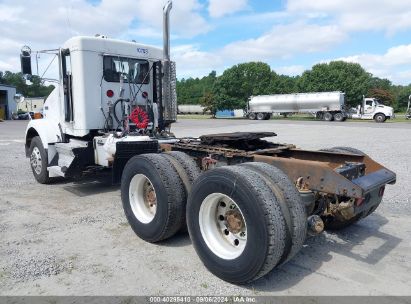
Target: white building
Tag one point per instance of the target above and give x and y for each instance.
(7, 103)
(31, 104)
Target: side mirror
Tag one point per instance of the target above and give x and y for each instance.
(25, 60)
(18, 98)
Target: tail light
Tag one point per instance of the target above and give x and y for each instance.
(110, 93)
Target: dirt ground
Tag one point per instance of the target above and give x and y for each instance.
(72, 238)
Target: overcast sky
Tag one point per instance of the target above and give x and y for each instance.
(290, 35)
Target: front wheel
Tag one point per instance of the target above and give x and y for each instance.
(339, 116)
(380, 117)
(38, 161)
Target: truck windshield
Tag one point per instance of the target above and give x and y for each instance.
(133, 70)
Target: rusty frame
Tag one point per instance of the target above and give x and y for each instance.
(315, 169)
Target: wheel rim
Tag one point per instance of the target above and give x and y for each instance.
(260, 116)
(380, 118)
(223, 226)
(35, 160)
(143, 199)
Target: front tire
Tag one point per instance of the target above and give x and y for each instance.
(236, 224)
(380, 118)
(153, 197)
(39, 161)
(339, 116)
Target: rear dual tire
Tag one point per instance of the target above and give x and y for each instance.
(271, 231)
(154, 190)
(243, 220)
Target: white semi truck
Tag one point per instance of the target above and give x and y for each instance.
(247, 203)
(370, 109)
(329, 106)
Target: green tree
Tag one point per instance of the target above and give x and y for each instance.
(209, 104)
(402, 94)
(349, 78)
(190, 91)
(233, 88)
(35, 89)
(283, 84)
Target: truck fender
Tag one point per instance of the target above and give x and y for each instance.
(48, 132)
(375, 114)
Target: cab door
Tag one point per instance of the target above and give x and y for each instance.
(369, 106)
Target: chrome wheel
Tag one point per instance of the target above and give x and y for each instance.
(143, 199)
(35, 160)
(223, 226)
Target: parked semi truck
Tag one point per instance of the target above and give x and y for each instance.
(248, 204)
(408, 112)
(327, 106)
(370, 109)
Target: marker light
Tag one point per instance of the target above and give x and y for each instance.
(110, 93)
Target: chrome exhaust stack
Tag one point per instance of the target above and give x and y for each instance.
(166, 30)
(169, 96)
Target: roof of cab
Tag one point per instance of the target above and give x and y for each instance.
(113, 46)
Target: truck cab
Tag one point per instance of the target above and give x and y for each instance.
(108, 91)
(370, 108)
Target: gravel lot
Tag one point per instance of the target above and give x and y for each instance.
(71, 237)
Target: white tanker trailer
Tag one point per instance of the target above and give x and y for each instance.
(191, 109)
(325, 105)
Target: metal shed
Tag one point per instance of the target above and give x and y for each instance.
(7, 104)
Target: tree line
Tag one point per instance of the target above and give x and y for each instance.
(232, 89)
(35, 89)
